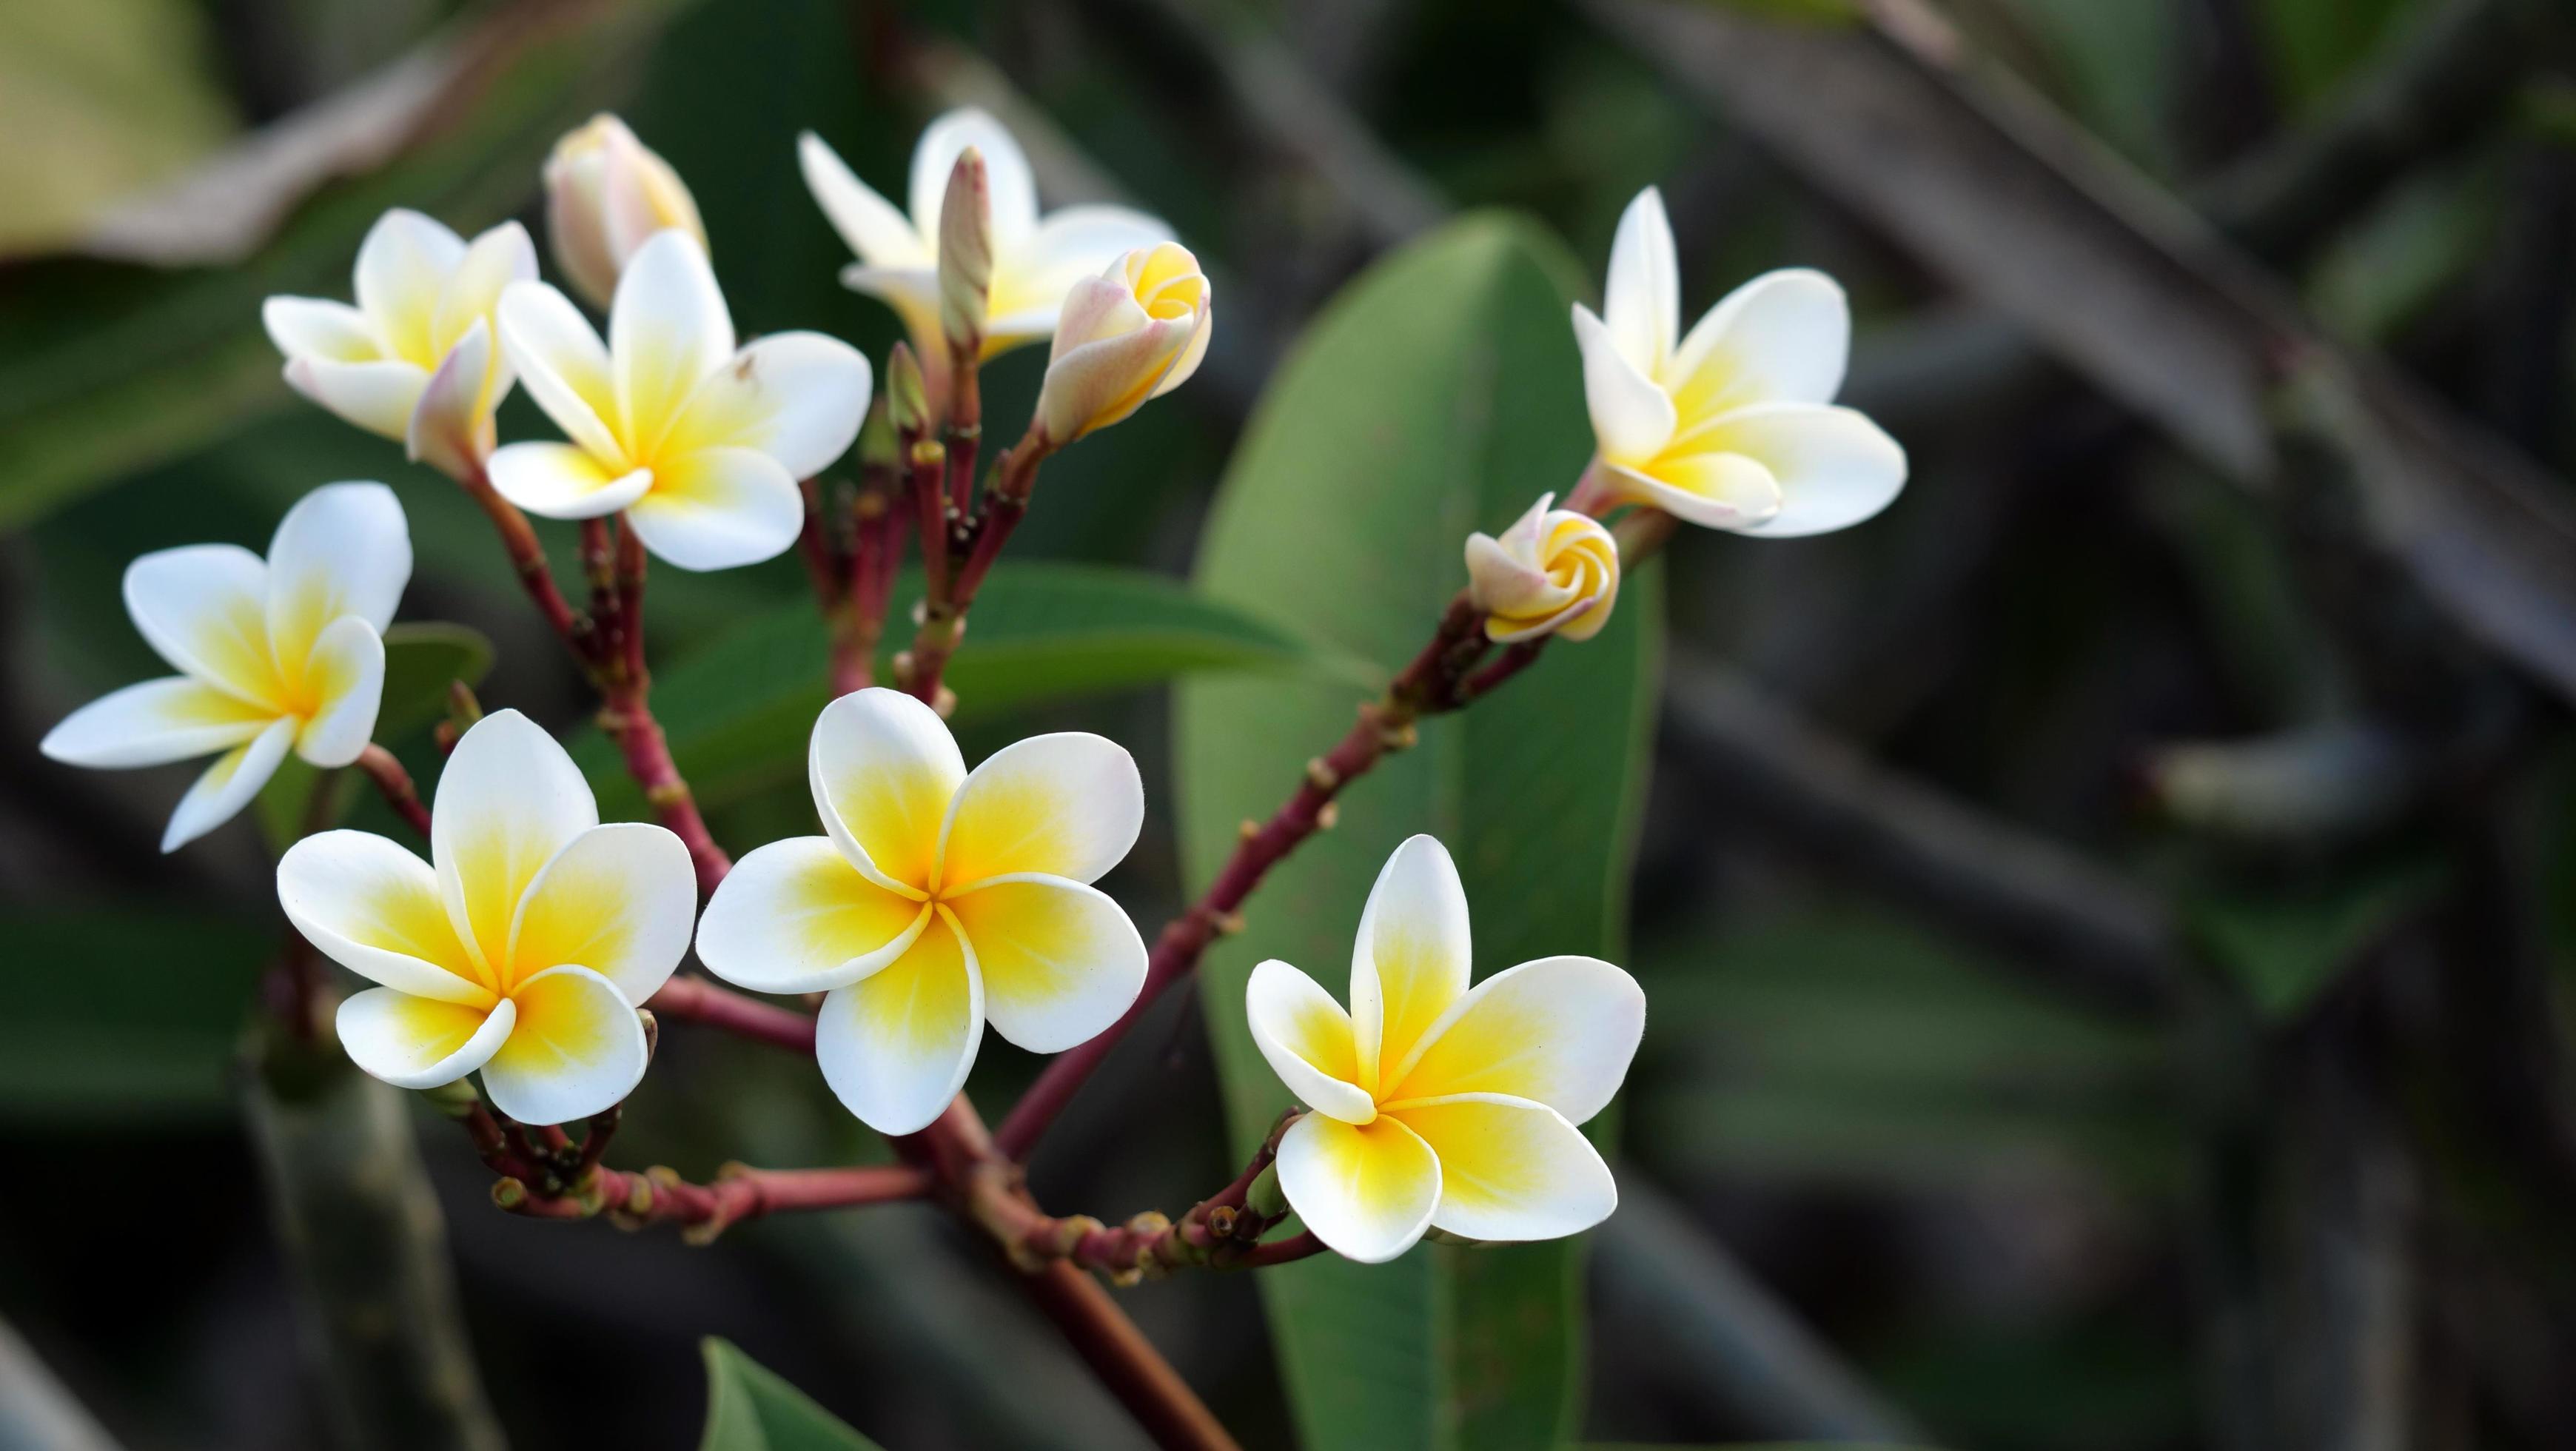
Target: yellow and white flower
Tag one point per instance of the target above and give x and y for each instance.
(1553, 572)
(1136, 331)
(275, 654)
(940, 899)
(416, 359)
(1035, 261)
(1729, 426)
(606, 195)
(700, 444)
(523, 952)
(1436, 1105)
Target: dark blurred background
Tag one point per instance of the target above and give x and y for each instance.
(2107, 920)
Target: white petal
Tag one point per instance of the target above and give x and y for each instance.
(1060, 961)
(508, 800)
(667, 330)
(1558, 1031)
(1511, 1169)
(403, 265)
(1643, 302)
(554, 351)
(491, 263)
(228, 785)
(1070, 804)
(797, 397)
(310, 327)
(563, 481)
(1193, 352)
(1632, 418)
(344, 549)
(378, 397)
(1095, 384)
(795, 917)
(1366, 1191)
(171, 719)
(883, 769)
(204, 608)
(1307, 1038)
(1835, 467)
(1006, 172)
(374, 908)
(577, 1049)
(913, 293)
(719, 508)
(1029, 285)
(619, 899)
(896, 1046)
(450, 428)
(414, 1042)
(1713, 490)
(867, 222)
(1410, 963)
(1784, 337)
(345, 671)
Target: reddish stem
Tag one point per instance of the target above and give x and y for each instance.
(824, 566)
(943, 621)
(1426, 686)
(1126, 1361)
(626, 715)
(395, 784)
(527, 557)
(1281, 1251)
(696, 1000)
(859, 624)
(659, 1196)
(965, 424)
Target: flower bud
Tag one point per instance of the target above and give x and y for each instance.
(1136, 331)
(1554, 571)
(907, 394)
(965, 255)
(606, 195)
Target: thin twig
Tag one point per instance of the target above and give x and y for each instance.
(394, 783)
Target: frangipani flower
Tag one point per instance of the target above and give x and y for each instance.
(1035, 262)
(1436, 1105)
(416, 359)
(606, 195)
(701, 445)
(939, 900)
(523, 952)
(1728, 426)
(283, 653)
(1553, 572)
(1136, 331)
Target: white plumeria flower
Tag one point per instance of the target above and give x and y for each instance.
(1553, 572)
(606, 195)
(1035, 261)
(416, 359)
(285, 653)
(523, 952)
(700, 444)
(1135, 332)
(1436, 1105)
(939, 900)
(1730, 426)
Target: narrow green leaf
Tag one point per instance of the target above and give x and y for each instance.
(738, 713)
(124, 1013)
(2285, 952)
(1439, 395)
(750, 1409)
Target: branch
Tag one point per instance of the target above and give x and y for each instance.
(704, 1211)
(2076, 926)
(696, 1000)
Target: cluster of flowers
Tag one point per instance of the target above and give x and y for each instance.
(937, 899)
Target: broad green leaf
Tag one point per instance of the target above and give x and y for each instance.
(738, 713)
(125, 1012)
(422, 658)
(111, 368)
(1440, 394)
(2286, 951)
(749, 1408)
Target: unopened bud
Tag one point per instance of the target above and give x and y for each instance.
(907, 395)
(1136, 331)
(965, 255)
(606, 195)
(877, 447)
(1554, 572)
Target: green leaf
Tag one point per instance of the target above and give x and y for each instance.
(1440, 394)
(2286, 951)
(750, 1409)
(422, 658)
(738, 713)
(124, 1013)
